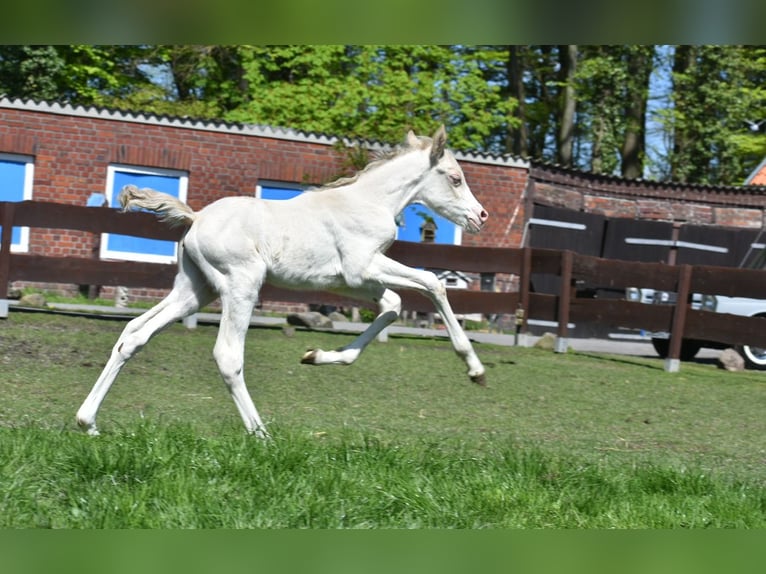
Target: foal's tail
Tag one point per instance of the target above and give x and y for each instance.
(171, 210)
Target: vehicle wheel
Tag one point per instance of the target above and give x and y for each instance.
(689, 348)
(755, 357)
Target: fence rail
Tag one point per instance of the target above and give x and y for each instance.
(568, 305)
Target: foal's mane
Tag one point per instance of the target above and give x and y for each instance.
(378, 158)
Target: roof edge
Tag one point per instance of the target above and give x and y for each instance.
(221, 126)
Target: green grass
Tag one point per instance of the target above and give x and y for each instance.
(400, 439)
(169, 476)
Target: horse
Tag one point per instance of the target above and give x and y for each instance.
(333, 238)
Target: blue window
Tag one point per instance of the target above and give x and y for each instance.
(114, 246)
(278, 190)
(412, 219)
(16, 176)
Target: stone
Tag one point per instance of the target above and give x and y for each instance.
(547, 342)
(310, 319)
(121, 297)
(33, 300)
(731, 360)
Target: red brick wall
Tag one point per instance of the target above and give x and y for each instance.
(500, 190)
(72, 152)
(694, 204)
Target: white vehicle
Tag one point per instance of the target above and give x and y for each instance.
(755, 357)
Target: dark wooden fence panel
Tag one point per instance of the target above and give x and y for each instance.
(637, 240)
(92, 219)
(467, 259)
(707, 245)
(557, 229)
(615, 314)
(732, 282)
(564, 306)
(725, 328)
(90, 271)
(613, 274)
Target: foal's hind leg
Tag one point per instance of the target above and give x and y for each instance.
(186, 297)
(229, 350)
(390, 305)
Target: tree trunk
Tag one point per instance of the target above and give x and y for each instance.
(565, 135)
(518, 137)
(597, 152)
(639, 70)
(683, 63)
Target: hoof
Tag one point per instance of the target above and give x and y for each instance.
(310, 357)
(480, 379)
(88, 428)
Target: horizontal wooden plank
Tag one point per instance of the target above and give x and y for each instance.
(82, 271)
(618, 313)
(546, 261)
(92, 219)
(711, 280)
(457, 257)
(726, 328)
(612, 273)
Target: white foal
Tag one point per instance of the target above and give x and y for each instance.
(330, 239)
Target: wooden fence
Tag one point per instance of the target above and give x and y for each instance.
(567, 306)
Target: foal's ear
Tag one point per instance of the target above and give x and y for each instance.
(437, 148)
(412, 140)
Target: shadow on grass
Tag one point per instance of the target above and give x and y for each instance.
(634, 360)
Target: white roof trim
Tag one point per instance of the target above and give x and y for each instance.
(222, 127)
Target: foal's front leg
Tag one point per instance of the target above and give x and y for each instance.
(398, 276)
(394, 275)
(390, 305)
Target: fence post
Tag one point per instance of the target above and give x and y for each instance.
(522, 310)
(673, 362)
(565, 295)
(6, 220)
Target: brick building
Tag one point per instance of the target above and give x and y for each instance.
(83, 156)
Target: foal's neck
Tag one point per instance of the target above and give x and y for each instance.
(395, 183)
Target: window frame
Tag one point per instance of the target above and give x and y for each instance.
(457, 235)
(22, 246)
(279, 185)
(111, 195)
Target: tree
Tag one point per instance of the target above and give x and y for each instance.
(565, 135)
(518, 136)
(30, 72)
(376, 92)
(638, 63)
(716, 90)
(581, 106)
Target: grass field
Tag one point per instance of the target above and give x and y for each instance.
(400, 439)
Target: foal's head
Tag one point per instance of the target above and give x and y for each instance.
(444, 188)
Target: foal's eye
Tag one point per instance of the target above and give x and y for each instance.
(455, 179)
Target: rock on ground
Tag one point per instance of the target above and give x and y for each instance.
(33, 300)
(310, 319)
(731, 360)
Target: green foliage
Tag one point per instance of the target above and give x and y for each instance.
(716, 90)
(374, 92)
(496, 99)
